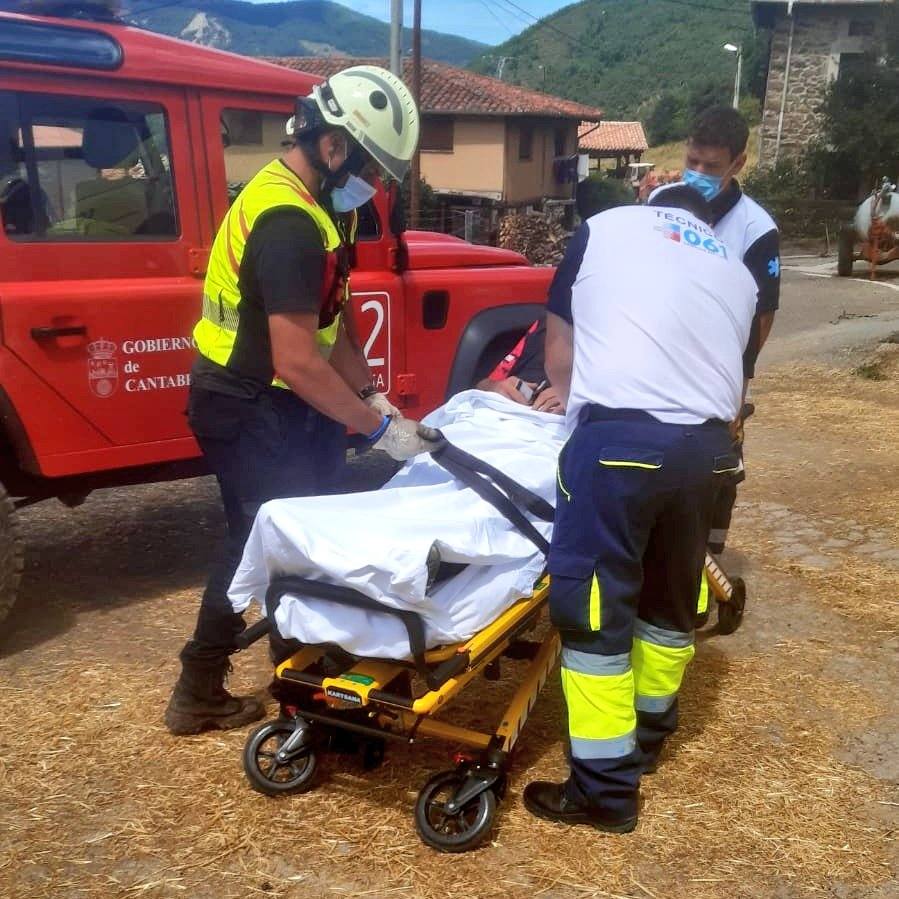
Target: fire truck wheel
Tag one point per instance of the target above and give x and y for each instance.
(11, 559)
(846, 251)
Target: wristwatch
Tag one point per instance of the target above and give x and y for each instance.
(367, 391)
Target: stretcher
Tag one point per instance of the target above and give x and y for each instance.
(332, 700)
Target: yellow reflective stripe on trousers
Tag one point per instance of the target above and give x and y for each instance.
(608, 463)
(702, 604)
(601, 716)
(659, 669)
(595, 605)
(559, 479)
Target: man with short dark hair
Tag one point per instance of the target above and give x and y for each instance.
(648, 318)
(715, 155)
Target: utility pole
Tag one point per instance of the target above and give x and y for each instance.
(415, 186)
(396, 37)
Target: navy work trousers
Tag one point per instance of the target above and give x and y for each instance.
(270, 447)
(635, 500)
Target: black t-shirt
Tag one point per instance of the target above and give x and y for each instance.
(527, 358)
(281, 271)
(531, 361)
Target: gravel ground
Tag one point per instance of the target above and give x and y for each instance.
(781, 783)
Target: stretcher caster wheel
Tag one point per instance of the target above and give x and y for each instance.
(730, 613)
(270, 774)
(453, 832)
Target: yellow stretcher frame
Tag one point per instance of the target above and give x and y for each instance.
(362, 686)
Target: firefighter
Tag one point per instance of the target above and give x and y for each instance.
(278, 369)
(648, 318)
(715, 155)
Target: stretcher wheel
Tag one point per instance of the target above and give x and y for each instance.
(453, 833)
(730, 613)
(265, 773)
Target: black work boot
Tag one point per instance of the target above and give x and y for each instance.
(551, 801)
(200, 700)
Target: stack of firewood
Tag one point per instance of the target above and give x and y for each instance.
(535, 235)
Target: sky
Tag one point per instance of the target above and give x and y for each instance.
(490, 21)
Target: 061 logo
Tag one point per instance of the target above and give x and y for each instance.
(692, 238)
(102, 368)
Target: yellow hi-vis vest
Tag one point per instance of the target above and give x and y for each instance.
(273, 186)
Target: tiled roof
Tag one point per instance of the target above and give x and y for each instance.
(446, 89)
(611, 137)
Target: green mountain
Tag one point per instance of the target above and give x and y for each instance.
(298, 28)
(624, 56)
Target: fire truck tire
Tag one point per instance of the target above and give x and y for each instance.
(846, 251)
(11, 556)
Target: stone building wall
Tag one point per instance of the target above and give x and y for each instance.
(821, 35)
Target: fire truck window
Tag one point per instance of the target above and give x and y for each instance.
(251, 139)
(75, 168)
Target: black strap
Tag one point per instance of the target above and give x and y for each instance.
(483, 478)
(518, 493)
(413, 622)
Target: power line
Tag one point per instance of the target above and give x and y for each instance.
(517, 16)
(496, 17)
(140, 12)
(544, 22)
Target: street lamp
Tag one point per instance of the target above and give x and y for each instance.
(738, 49)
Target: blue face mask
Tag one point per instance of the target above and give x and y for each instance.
(708, 185)
(355, 193)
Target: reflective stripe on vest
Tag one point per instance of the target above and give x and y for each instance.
(272, 187)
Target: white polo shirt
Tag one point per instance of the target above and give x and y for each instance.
(751, 232)
(661, 311)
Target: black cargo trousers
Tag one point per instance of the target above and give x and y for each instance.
(272, 446)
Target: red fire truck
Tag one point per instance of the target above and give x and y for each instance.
(118, 151)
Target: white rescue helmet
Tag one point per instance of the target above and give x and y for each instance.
(373, 106)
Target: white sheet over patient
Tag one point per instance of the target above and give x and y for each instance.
(377, 542)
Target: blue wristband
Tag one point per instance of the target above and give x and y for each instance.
(378, 432)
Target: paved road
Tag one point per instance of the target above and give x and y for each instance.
(822, 316)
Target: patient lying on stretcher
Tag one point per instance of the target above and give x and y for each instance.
(379, 542)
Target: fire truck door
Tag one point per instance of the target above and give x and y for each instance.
(108, 277)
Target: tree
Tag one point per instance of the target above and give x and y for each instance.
(665, 122)
(860, 136)
(598, 193)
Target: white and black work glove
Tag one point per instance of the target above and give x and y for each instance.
(403, 438)
(380, 404)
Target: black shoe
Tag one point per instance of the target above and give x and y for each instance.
(187, 714)
(549, 801)
(200, 701)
